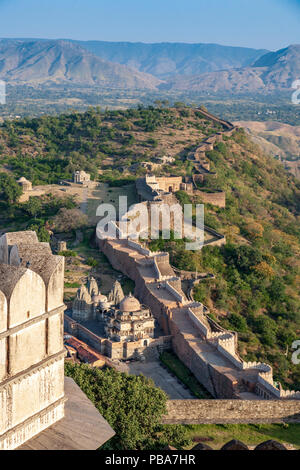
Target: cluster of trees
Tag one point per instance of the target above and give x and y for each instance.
(50, 148)
(132, 405)
(39, 213)
(10, 190)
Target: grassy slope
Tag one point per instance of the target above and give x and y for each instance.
(216, 435)
(184, 374)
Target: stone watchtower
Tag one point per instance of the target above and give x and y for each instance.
(31, 338)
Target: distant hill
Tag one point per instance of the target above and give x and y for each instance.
(164, 60)
(38, 61)
(274, 71)
(163, 67)
(277, 138)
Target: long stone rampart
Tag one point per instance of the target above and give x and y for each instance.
(232, 411)
(195, 338)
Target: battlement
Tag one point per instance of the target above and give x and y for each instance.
(31, 337)
(196, 337)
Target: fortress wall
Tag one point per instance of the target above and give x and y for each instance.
(139, 248)
(55, 334)
(224, 384)
(173, 291)
(217, 242)
(197, 322)
(35, 390)
(217, 198)
(190, 358)
(156, 268)
(184, 349)
(164, 183)
(228, 125)
(219, 383)
(91, 338)
(232, 411)
(23, 351)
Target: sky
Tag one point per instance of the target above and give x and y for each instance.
(269, 24)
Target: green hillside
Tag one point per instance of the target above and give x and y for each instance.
(256, 288)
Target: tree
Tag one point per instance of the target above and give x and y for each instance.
(33, 206)
(42, 233)
(10, 191)
(131, 404)
(69, 219)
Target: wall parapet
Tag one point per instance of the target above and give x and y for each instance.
(232, 411)
(180, 298)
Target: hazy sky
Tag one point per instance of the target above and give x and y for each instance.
(270, 24)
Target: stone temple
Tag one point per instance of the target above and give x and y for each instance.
(31, 338)
(119, 327)
(90, 304)
(130, 322)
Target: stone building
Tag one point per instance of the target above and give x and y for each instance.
(131, 321)
(31, 338)
(90, 304)
(80, 177)
(25, 184)
(154, 188)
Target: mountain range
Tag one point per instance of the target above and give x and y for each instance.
(274, 71)
(164, 60)
(38, 61)
(204, 68)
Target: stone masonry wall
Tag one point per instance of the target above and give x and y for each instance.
(217, 198)
(232, 411)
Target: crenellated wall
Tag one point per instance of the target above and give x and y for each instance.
(31, 338)
(209, 351)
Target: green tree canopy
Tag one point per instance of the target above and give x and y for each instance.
(131, 404)
(10, 191)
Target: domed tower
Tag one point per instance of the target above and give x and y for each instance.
(129, 304)
(130, 322)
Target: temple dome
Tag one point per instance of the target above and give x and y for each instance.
(99, 298)
(130, 304)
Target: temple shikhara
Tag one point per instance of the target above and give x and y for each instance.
(124, 326)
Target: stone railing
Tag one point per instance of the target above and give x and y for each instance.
(196, 320)
(180, 298)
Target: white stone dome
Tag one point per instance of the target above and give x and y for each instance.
(130, 304)
(99, 298)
